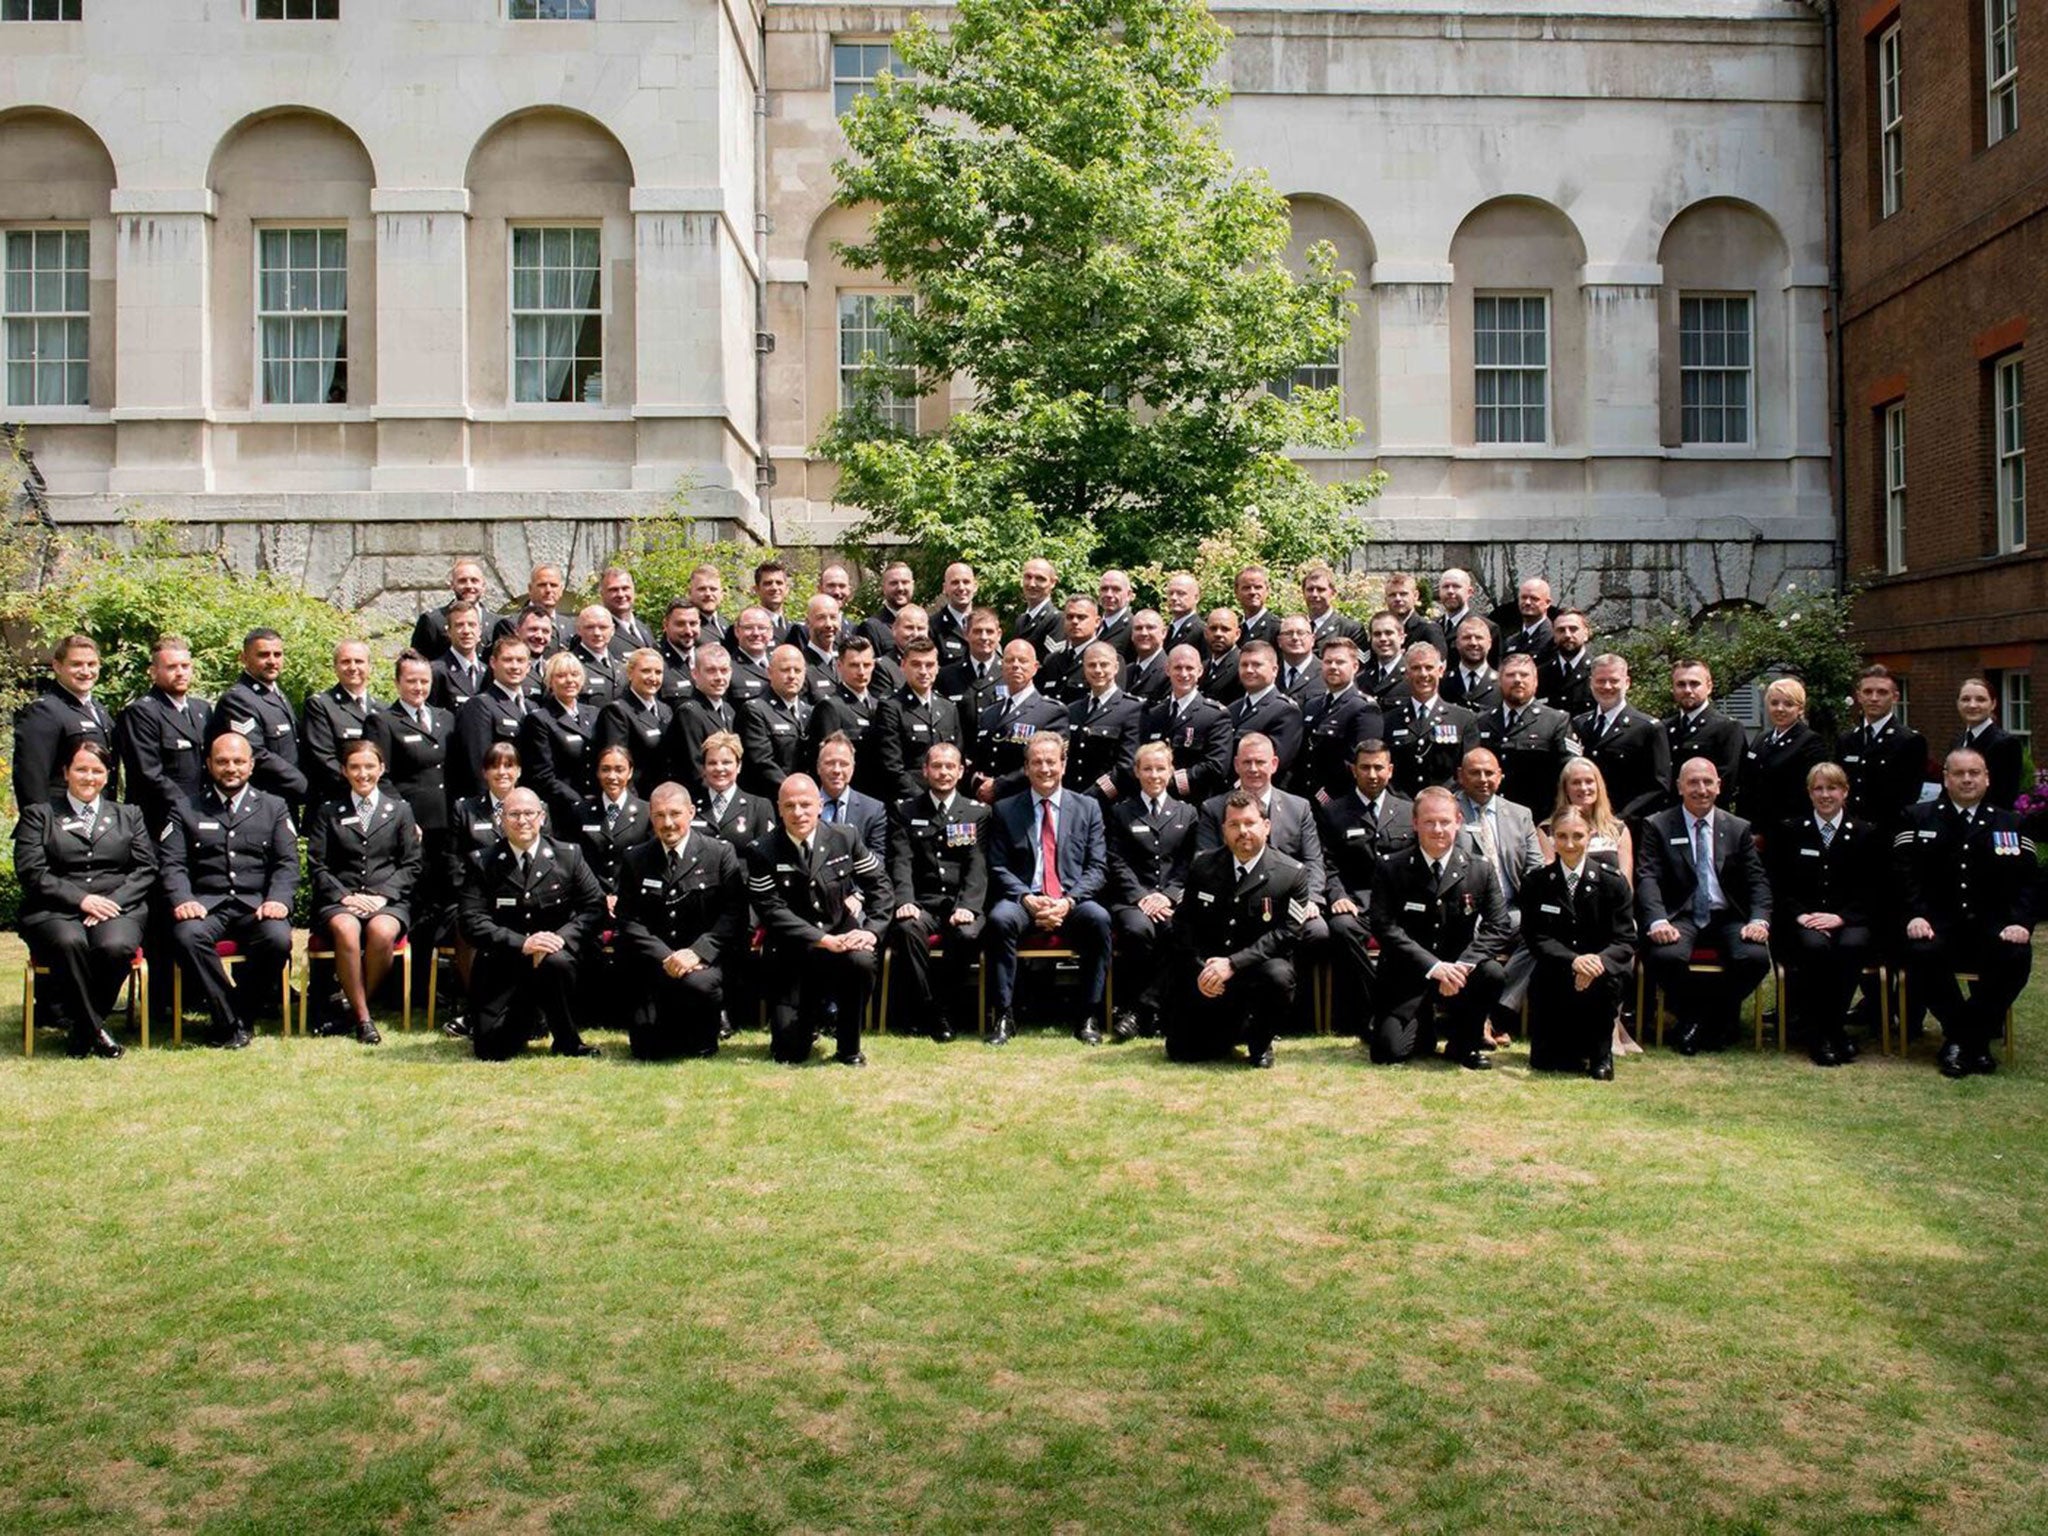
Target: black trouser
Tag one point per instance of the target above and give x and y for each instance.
(1351, 966)
(1410, 1002)
(1711, 999)
(87, 965)
(265, 944)
(1570, 1029)
(2001, 969)
(1140, 947)
(677, 1015)
(933, 984)
(1822, 970)
(1254, 1005)
(509, 994)
(813, 989)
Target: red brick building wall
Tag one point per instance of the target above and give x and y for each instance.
(1935, 297)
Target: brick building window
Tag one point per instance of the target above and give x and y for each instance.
(1891, 132)
(551, 10)
(302, 315)
(866, 349)
(557, 316)
(2016, 703)
(298, 10)
(1511, 367)
(2001, 69)
(39, 10)
(854, 67)
(1714, 368)
(45, 313)
(1895, 488)
(2009, 401)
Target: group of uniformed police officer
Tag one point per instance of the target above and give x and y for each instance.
(667, 823)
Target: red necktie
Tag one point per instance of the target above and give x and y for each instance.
(1049, 850)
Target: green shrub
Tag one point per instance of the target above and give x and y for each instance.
(662, 550)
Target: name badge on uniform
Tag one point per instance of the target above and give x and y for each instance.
(209, 826)
(351, 733)
(785, 869)
(1204, 896)
(919, 728)
(1809, 853)
(482, 827)
(1553, 911)
(508, 725)
(508, 901)
(650, 885)
(1350, 832)
(593, 826)
(1852, 757)
(1928, 835)
(1679, 842)
(182, 744)
(1413, 906)
(284, 728)
(410, 737)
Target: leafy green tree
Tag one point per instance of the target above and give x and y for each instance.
(1047, 183)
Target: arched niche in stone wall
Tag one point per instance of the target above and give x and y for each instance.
(830, 278)
(549, 189)
(1717, 250)
(1315, 218)
(293, 257)
(1520, 247)
(56, 185)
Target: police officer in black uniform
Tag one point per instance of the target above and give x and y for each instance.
(1697, 729)
(230, 863)
(1427, 737)
(1578, 921)
(681, 916)
(1333, 723)
(1151, 842)
(1886, 762)
(253, 708)
(1102, 728)
(1631, 750)
(462, 670)
(1004, 732)
(1194, 727)
(333, 718)
(825, 900)
(1360, 830)
(363, 852)
(162, 734)
(639, 719)
(940, 871)
(62, 713)
(1532, 740)
(1828, 872)
(529, 909)
(1234, 936)
(913, 720)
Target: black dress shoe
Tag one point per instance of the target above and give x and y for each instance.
(1000, 1030)
(725, 1029)
(236, 1039)
(1263, 1060)
(849, 1059)
(1475, 1061)
(1951, 1061)
(1845, 1048)
(1601, 1072)
(1983, 1064)
(577, 1048)
(93, 1042)
(1088, 1034)
(1687, 1039)
(1825, 1055)
(366, 1032)
(457, 1027)
(942, 1032)
(1123, 1025)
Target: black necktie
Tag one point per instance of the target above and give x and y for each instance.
(1372, 815)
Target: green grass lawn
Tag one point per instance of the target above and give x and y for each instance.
(314, 1287)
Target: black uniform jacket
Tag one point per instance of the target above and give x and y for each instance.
(210, 853)
(936, 857)
(1246, 922)
(1201, 738)
(346, 859)
(1846, 876)
(603, 846)
(1772, 790)
(1419, 921)
(1634, 758)
(163, 752)
(801, 900)
(699, 906)
(416, 760)
(560, 895)
(259, 712)
(1973, 878)
(904, 730)
(1355, 845)
(1150, 854)
(60, 863)
(44, 730)
(1598, 919)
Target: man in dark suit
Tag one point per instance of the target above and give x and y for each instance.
(1263, 708)
(1887, 763)
(1151, 841)
(162, 735)
(1318, 597)
(1219, 672)
(840, 804)
(1333, 723)
(493, 715)
(252, 708)
(1438, 916)
(1697, 729)
(750, 645)
(709, 709)
(1578, 925)
(1383, 669)
(820, 638)
(1970, 888)
(849, 708)
(1532, 741)
(1047, 866)
(707, 593)
(332, 719)
(1828, 871)
(1359, 831)
(230, 867)
(1059, 670)
(899, 591)
(1194, 726)
(461, 670)
(777, 726)
(1299, 677)
(1700, 885)
(1113, 605)
(975, 681)
(1630, 749)
(910, 722)
(1254, 584)
(630, 633)
(1564, 679)
(949, 619)
(1428, 737)
(1102, 729)
(543, 597)
(1009, 724)
(939, 868)
(1455, 597)
(1145, 672)
(1185, 622)
(430, 631)
(529, 909)
(1039, 623)
(825, 902)
(592, 645)
(682, 911)
(1404, 603)
(1233, 943)
(1471, 681)
(682, 626)
(1529, 632)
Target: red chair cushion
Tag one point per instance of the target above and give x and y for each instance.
(1701, 955)
(227, 949)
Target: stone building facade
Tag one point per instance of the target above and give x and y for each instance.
(558, 239)
(1945, 280)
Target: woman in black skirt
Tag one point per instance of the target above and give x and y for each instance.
(364, 854)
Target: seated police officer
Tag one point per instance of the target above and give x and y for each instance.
(1438, 915)
(1828, 871)
(363, 852)
(1233, 942)
(1578, 924)
(938, 867)
(1151, 844)
(1970, 888)
(87, 867)
(682, 910)
(824, 900)
(529, 908)
(230, 861)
